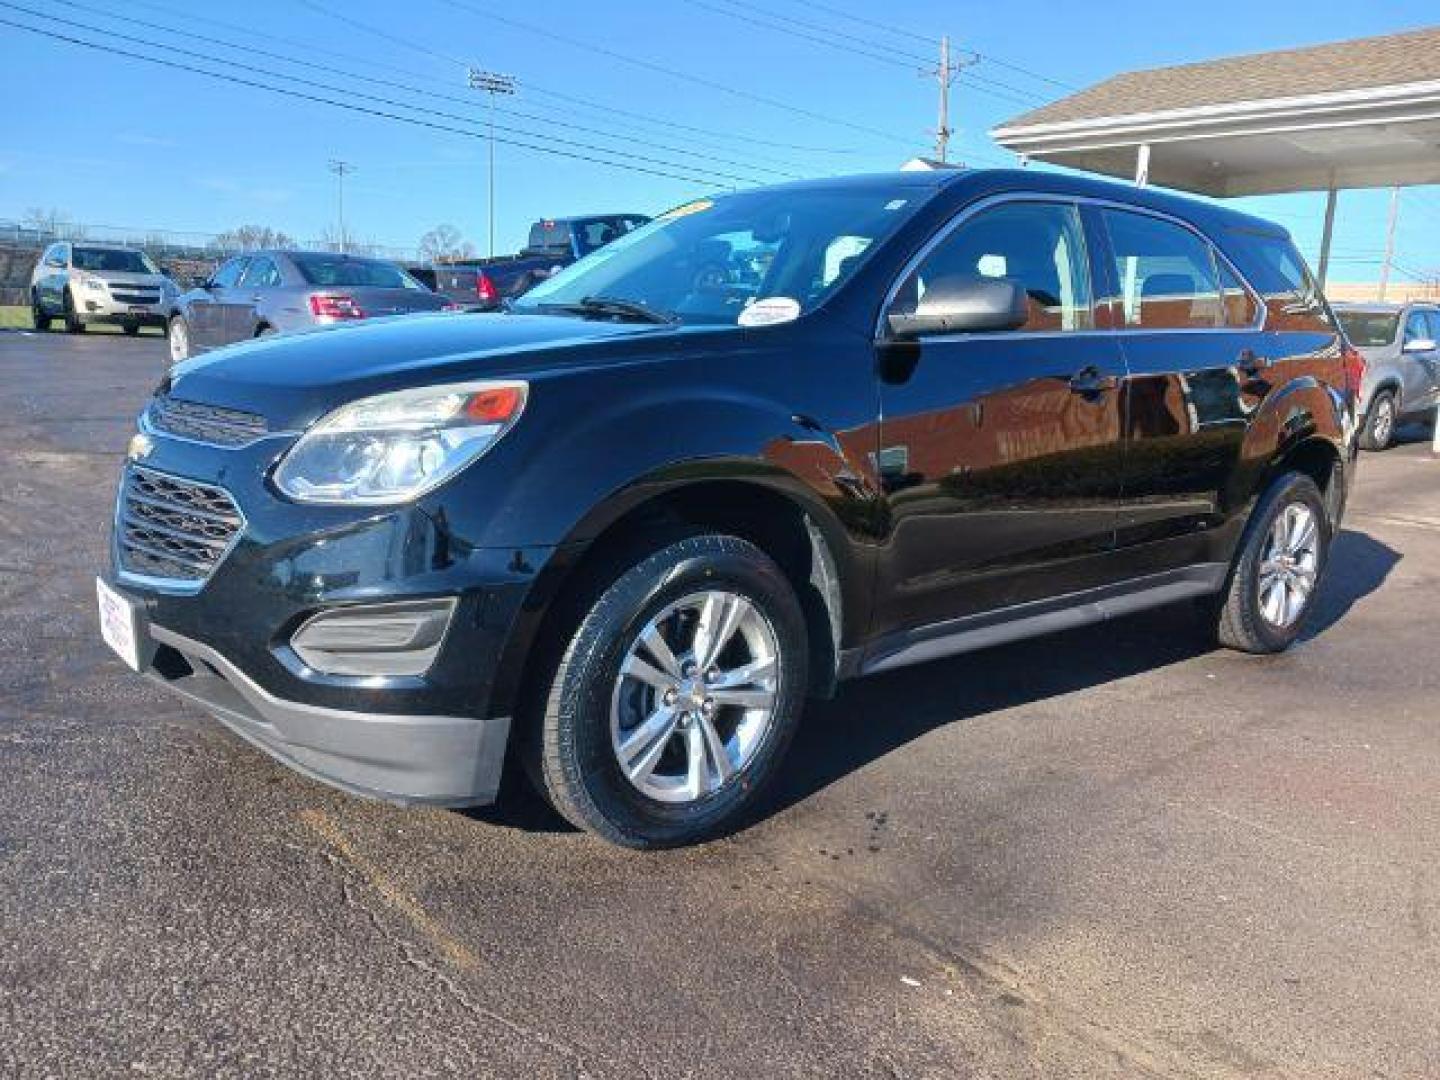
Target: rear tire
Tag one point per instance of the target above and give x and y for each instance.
(1277, 570)
(73, 325)
(1380, 422)
(712, 738)
(38, 315)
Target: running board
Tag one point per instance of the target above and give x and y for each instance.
(1038, 617)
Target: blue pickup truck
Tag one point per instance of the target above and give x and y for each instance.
(485, 284)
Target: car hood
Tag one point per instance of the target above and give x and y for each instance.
(294, 379)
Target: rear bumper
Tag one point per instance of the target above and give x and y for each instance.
(403, 759)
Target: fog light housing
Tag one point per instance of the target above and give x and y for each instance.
(374, 639)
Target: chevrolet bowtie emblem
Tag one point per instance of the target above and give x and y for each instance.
(140, 446)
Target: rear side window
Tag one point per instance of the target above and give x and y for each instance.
(1417, 327)
(228, 276)
(261, 274)
(1276, 269)
(1165, 274)
(1039, 245)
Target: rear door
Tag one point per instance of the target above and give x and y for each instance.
(1001, 453)
(1190, 332)
(255, 294)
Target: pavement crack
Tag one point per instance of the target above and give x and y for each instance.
(354, 868)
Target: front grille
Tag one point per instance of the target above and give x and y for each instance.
(205, 423)
(171, 528)
(126, 297)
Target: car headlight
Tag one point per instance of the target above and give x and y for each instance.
(395, 447)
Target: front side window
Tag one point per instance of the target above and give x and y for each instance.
(1416, 328)
(1040, 246)
(710, 261)
(1164, 273)
(113, 260)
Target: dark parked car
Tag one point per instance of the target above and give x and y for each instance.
(555, 243)
(271, 292)
(632, 523)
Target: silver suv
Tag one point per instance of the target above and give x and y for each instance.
(1402, 378)
(98, 283)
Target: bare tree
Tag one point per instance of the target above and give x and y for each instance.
(333, 240)
(251, 238)
(445, 244)
(52, 223)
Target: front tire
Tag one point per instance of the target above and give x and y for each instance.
(73, 325)
(177, 334)
(38, 315)
(674, 700)
(1379, 427)
(1277, 571)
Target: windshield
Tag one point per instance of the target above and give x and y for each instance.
(779, 251)
(1370, 328)
(332, 270)
(113, 260)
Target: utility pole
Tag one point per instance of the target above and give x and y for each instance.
(492, 84)
(945, 73)
(340, 168)
(1389, 241)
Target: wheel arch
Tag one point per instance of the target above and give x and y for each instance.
(768, 508)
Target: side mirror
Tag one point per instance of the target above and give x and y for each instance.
(1419, 344)
(964, 304)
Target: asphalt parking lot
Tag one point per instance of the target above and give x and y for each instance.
(1115, 852)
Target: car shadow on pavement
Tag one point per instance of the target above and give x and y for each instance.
(873, 717)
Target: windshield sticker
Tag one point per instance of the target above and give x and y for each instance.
(771, 310)
(697, 207)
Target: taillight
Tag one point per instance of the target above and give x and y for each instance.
(335, 306)
(1354, 370)
(485, 288)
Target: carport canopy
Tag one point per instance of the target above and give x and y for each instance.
(1353, 114)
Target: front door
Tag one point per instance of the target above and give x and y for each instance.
(1001, 453)
(1420, 367)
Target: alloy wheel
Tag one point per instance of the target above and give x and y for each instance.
(1384, 423)
(696, 696)
(1289, 566)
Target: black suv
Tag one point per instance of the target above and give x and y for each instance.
(770, 441)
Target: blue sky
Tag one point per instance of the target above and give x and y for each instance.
(117, 141)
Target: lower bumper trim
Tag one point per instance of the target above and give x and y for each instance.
(401, 759)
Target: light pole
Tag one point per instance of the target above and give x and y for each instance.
(340, 168)
(492, 84)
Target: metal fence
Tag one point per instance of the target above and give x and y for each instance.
(162, 243)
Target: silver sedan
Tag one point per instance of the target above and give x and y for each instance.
(271, 292)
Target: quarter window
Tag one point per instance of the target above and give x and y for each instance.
(1164, 274)
(1240, 306)
(1415, 327)
(1039, 245)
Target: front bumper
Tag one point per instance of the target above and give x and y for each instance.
(404, 759)
(228, 642)
(93, 307)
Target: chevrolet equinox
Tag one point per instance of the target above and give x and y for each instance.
(772, 440)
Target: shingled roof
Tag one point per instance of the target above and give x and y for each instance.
(1394, 60)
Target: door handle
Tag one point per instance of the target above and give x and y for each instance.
(1089, 381)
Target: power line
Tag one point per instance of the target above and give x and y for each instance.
(311, 48)
(686, 76)
(714, 173)
(787, 173)
(349, 107)
(914, 35)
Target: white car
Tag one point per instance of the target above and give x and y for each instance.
(99, 283)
